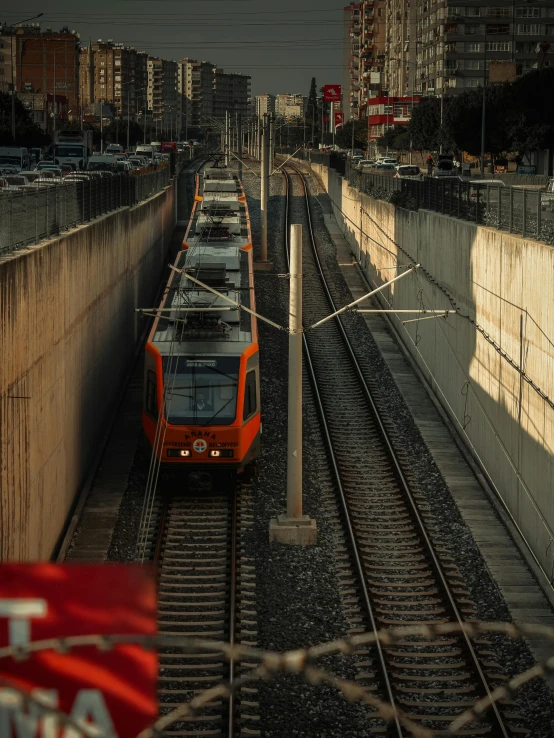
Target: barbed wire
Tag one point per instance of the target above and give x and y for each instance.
(299, 662)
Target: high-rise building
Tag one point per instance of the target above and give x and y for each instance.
(231, 93)
(352, 27)
(289, 106)
(195, 81)
(400, 46)
(265, 104)
(7, 51)
(457, 44)
(365, 30)
(162, 93)
(46, 64)
(113, 74)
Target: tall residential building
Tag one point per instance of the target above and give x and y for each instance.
(365, 27)
(113, 74)
(352, 27)
(7, 51)
(195, 80)
(231, 92)
(456, 44)
(265, 104)
(46, 63)
(289, 106)
(162, 93)
(400, 47)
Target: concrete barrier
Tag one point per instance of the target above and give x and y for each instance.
(67, 332)
(491, 366)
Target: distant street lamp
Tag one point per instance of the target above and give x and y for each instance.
(13, 66)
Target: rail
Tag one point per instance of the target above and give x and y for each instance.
(421, 574)
(520, 210)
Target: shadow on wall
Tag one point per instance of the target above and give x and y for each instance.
(477, 361)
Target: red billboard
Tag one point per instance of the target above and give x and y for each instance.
(339, 118)
(332, 93)
(113, 689)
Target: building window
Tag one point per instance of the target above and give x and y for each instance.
(527, 12)
(529, 29)
(498, 12)
(499, 45)
(497, 29)
(473, 48)
(549, 29)
(475, 30)
(475, 12)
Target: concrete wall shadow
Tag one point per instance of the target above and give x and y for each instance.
(491, 365)
(67, 333)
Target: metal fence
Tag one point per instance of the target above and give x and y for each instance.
(32, 214)
(513, 209)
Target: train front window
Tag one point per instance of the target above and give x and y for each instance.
(200, 390)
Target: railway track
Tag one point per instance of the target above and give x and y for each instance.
(205, 590)
(393, 567)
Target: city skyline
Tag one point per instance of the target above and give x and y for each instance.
(238, 35)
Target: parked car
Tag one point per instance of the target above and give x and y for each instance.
(44, 164)
(123, 166)
(386, 166)
(66, 169)
(547, 196)
(16, 182)
(407, 171)
(30, 176)
(365, 163)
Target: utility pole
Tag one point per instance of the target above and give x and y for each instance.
(353, 130)
(293, 527)
(239, 142)
(484, 107)
(128, 115)
(264, 186)
(271, 143)
(101, 125)
(227, 137)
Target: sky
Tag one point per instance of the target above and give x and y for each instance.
(281, 44)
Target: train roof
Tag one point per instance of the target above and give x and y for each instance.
(217, 252)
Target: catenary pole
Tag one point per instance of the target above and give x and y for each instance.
(294, 449)
(264, 186)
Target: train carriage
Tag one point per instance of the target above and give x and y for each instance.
(201, 406)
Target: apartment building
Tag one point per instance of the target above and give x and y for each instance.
(289, 106)
(457, 44)
(398, 76)
(46, 62)
(114, 74)
(231, 93)
(162, 93)
(365, 31)
(7, 51)
(265, 104)
(352, 31)
(195, 81)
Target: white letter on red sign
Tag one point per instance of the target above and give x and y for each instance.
(26, 723)
(19, 612)
(89, 705)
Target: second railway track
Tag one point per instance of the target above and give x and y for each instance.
(196, 544)
(398, 572)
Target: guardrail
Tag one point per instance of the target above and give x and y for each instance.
(32, 214)
(507, 208)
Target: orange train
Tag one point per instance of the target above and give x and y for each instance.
(201, 401)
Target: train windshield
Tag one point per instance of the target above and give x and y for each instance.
(201, 391)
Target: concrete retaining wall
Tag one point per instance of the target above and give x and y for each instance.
(67, 332)
(502, 283)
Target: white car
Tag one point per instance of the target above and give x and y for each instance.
(407, 171)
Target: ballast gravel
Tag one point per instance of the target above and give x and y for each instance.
(535, 700)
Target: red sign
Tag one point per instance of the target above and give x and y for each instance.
(339, 118)
(332, 93)
(113, 689)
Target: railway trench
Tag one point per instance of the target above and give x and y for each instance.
(292, 598)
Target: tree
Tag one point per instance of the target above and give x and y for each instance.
(343, 137)
(27, 133)
(424, 124)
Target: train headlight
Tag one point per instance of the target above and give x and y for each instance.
(178, 452)
(215, 453)
(226, 453)
(184, 452)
